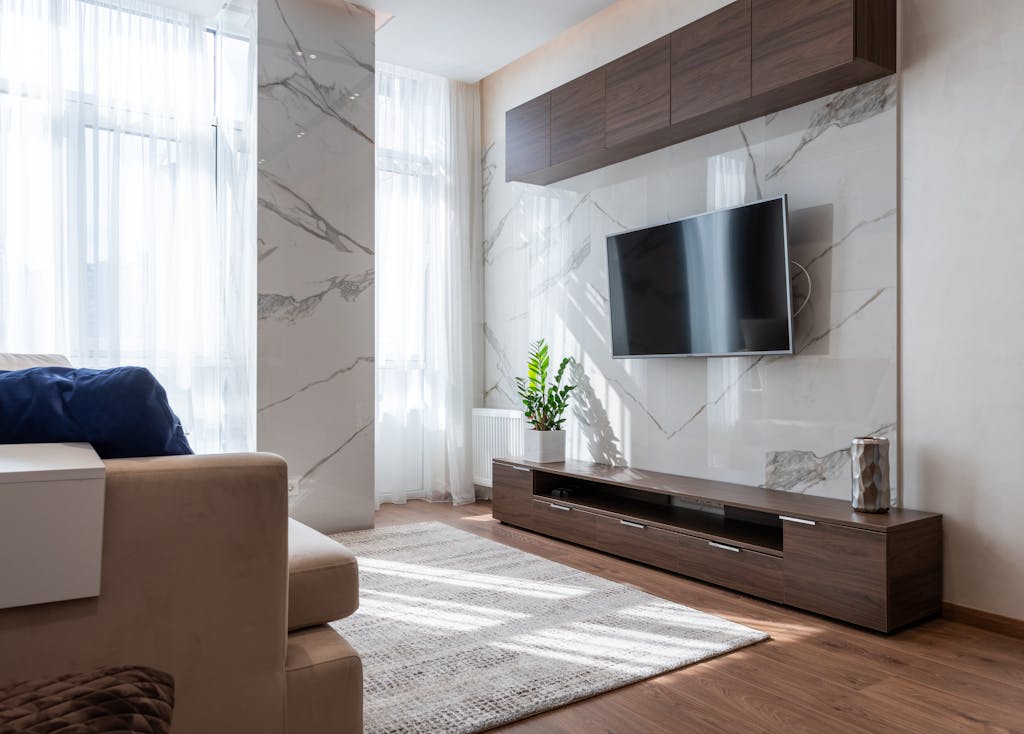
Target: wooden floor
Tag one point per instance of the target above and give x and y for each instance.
(812, 676)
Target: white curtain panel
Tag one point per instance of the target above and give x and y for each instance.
(126, 236)
(428, 214)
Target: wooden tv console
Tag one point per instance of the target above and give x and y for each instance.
(881, 571)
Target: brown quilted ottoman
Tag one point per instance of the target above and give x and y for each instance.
(114, 700)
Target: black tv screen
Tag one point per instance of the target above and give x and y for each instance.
(714, 284)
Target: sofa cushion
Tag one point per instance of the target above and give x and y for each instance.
(323, 578)
(324, 681)
(123, 412)
(24, 361)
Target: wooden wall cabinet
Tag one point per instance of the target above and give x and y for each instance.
(711, 62)
(528, 139)
(878, 571)
(803, 49)
(577, 117)
(638, 93)
(747, 59)
(795, 39)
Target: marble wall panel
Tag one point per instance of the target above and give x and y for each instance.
(781, 421)
(316, 269)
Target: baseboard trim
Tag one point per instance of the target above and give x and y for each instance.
(985, 620)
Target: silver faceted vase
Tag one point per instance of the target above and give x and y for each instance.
(870, 473)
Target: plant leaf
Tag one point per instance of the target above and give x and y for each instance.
(544, 403)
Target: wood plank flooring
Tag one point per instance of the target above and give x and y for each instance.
(814, 675)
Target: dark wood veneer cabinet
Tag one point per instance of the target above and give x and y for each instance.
(638, 93)
(637, 541)
(874, 579)
(749, 58)
(577, 117)
(528, 138)
(562, 521)
(512, 493)
(878, 571)
(836, 571)
(711, 62)
(728, 565)
(795, 39)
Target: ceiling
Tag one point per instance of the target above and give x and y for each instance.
(469, 39)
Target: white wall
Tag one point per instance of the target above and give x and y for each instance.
(962, 287)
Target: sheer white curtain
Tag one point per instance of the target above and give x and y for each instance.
(118, 242)
(428, 132)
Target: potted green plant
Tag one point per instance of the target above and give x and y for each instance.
(545, 404)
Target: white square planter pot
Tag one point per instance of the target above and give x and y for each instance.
(544, 447)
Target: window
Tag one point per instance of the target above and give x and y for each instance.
(427, 132)
(127, 222)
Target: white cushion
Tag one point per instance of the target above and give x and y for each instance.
(24, 361)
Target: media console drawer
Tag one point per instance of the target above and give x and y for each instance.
(637, 541)
(551, 517)
(728, 565)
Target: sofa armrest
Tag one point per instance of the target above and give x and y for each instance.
(194, 582)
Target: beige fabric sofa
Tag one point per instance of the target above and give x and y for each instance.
(195, 581)
(205, 576)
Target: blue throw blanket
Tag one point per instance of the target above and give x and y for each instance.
(122, 411)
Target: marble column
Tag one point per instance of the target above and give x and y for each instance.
(316, 255)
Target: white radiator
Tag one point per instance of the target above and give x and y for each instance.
(496, 434)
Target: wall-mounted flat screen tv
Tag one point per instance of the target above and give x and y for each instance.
(711, 285)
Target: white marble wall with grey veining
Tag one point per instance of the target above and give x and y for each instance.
(316, 263)
(783, 421)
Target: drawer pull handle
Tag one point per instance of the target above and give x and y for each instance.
(723, 546)
(629, 524)
(520, 468)
(800, 520)
(563, 508)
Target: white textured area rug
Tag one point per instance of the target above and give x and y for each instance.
(458, 633)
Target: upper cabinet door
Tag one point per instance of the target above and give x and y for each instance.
(876, 32)
(638, 93)
(711, 62)
(577, 117)
(795, 39)
(528, 138)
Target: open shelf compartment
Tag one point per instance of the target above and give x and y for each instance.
(749, 529)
